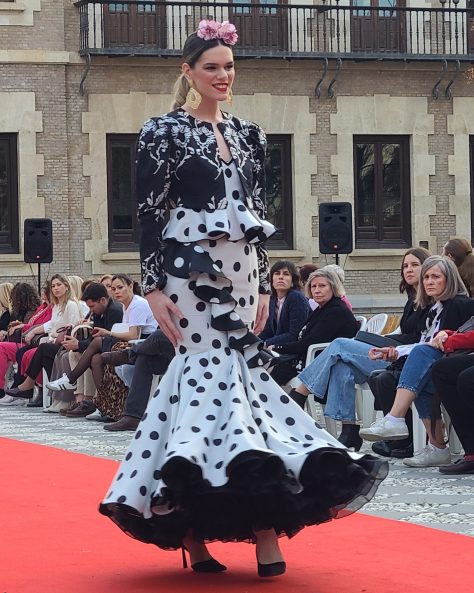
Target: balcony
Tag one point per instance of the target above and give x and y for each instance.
(364, 30)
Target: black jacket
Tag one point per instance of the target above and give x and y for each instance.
(325, 324)
(113, 314)
(178, 165)
(456, 312)
(294, 314)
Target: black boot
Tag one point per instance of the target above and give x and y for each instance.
(37, 400)
(349, 436)
(298, 398)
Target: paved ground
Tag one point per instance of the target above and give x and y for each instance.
(420, 496)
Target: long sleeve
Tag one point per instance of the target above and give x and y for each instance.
(69, 316)
(153, 167)
(296, 311)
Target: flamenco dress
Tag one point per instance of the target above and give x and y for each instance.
(222, 450)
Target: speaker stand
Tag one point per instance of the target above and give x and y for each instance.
(336, 254)
(39, 278)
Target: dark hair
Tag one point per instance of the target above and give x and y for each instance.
(129, 282)
(305, 271)
(193, 49)
(46, 288)
(24, 299)
(421, 254)
(95, 291)
(86, 283)
(461, 252)
(280, 265)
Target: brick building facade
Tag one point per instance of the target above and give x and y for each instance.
(71, 125)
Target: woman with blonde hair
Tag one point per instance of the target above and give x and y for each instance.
(5, 308)
(66, 313)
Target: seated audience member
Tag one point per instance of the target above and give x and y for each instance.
(104, 313)
(24, 303)
(5, 308)
(335, 372)
(77, 285)
(304, 273)
(460, 252)
(150, 357)
(342, 277)
(66, 312)
(106, 280)
(453, 380)
(289, 309)
(139, 318)
(11, 351)
(443, 289)
(331, 319)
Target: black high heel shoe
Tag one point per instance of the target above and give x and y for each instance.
(209, 566)
(271, 570)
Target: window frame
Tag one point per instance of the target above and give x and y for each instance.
(10, 239)
(121, 241)
(284, 240)
(379, 242)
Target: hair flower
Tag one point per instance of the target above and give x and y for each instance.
(209, 29)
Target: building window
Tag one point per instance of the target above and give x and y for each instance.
(471, 166)
(122, 211)
(382, 191)
(8, 194)
(279, 190)
(122, 217)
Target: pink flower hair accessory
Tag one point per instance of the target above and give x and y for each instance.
(225, 31)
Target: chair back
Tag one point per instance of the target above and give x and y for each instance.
(362, 320)
(376, 323)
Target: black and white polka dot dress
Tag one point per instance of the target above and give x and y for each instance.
(221, 449)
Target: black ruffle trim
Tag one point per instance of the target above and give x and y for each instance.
(259, 495)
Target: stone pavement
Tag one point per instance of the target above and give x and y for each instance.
(420, 496)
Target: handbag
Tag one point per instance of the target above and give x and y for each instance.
(61, 333)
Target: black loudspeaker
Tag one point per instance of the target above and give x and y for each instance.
(335, 227)
(38, 241)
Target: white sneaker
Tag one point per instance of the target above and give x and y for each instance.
(429, 457)
(61, 384)
(8, 400)
(97, 416)
(56, 407)
(385, 430)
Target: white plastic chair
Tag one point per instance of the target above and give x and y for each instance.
(419, 432)
(364, 396)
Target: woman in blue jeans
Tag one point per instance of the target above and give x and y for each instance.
(345, 362)
(442, 287)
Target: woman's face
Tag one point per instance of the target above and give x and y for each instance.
(434, 282)
(58, 288)
(107, 282)
(411, 270)
(321, 290)
(121, 291)
(282, 281)
(444, 253)
(213, 74)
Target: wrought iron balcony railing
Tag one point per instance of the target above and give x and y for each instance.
(268, 29)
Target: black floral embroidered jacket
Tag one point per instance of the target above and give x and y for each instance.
(178, 165)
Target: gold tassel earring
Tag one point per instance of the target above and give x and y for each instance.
(193, 98)
(230, 96)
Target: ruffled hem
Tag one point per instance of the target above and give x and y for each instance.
(259, 495)
(234, 221)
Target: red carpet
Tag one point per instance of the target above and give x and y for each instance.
(54, 541)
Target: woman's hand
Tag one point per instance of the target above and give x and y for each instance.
(100, 332)
(163, 307)
(28, 337)
(14, 326)
(387, 353)
(439, 340)
(262, 313)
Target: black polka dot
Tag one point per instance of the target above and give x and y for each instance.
(194, 402)
(200, 389)
(236, 266)
(146, 454)
(120, 476)
(210, 417)
(254, 273)
(306, 445)
(228, 173)
(134, 473)
(242, 302)
(268, 413)
(251, 429)
(222, 386)
(217, 402)
(183, 322)
(182, 349)
(174, 298)
(235, 194)
(218, 262)
(246, 249)
(207, 375)
(186, 232)
(308, 437)
(202, 228)
(219, 465)
(173, 399)
(251, 299)
(215, 360)
(154, 436)
(195, 429)
(238, 431)
(138, 434)
(121, 499)
(145, 415)
(216, 344)
(180, 214)
(255, 404)
(241, 208)
(284, 399)
(264, 376)
(274, 429)
(156, 474)
(128, 456)
(263, 397)
(196, 338)
(143, 490)
(258, 421)
(203, 362)
(162, 416)
(217, 442)
(294, 439)
(224, 426)
(232, 447)
(192, 382)
(186, 370)
(236, 400)
(201, 306)
(265, 435)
